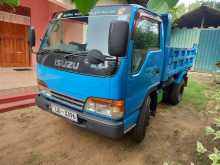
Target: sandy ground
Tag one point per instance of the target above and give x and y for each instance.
(31, 136)
(11, 79)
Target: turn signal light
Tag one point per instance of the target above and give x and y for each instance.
(106, 107)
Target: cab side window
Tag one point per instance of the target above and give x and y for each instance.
(146, 37)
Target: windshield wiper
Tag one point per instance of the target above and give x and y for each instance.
(45, 51)
(78, 53)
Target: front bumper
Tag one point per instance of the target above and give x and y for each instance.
(90, 122)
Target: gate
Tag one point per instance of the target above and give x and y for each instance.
(208, 51)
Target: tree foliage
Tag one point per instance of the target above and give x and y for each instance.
(178, 11)
(161, 6)
(145, 40)
(9, 2)
(84, 5)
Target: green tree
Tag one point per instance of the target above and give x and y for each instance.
(167, 6)
(9, 2)
(161, 6)
(178, 11)
(84, 5)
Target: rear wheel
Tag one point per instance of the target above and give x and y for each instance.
(143, 120)
(166, 96)
(153, 104)
(176, 93)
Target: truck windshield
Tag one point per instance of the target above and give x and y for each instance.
(71, 37)
(78, 34)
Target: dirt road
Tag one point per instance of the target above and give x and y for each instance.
(32, 136)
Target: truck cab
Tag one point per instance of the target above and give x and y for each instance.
(106, 70)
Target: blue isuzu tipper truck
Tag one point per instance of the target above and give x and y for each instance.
(108, 70)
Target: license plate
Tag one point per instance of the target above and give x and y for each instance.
(64, 112)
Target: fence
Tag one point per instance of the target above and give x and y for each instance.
(208, 42)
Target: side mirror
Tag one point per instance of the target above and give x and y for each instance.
(118, 38)
(32, 37)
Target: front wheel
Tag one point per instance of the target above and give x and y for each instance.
(143, 120)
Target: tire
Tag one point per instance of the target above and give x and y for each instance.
(176, 93)
(143, 121)
(166, 95)
(153, 105)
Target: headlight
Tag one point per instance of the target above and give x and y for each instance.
(109, 108)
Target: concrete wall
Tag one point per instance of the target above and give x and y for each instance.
(41, 12)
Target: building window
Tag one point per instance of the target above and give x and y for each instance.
(146, 37)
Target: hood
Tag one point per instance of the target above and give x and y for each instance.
(74, 84)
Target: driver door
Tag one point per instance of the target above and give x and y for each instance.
(146, 59)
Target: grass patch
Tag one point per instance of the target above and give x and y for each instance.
(194, 95)
(34, 158)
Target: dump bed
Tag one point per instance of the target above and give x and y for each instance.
(177, 60)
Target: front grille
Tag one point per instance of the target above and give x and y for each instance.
(74, 102)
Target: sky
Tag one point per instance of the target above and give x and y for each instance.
(188, 2)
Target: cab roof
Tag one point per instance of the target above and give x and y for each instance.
(110, 9)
